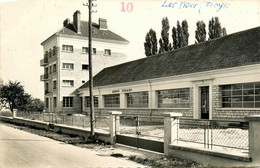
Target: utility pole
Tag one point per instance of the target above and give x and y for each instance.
(92, 117)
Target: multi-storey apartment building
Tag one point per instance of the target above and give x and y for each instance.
(66, 62)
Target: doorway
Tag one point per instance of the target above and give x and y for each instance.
(204, 102)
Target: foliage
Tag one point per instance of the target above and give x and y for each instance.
(150, 44)
(185, 32)
(164, 40)
(200, 33)
(215, 29)
(14, 95)
(180, 35)
(36, 105)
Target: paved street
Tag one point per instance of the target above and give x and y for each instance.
(20, 149)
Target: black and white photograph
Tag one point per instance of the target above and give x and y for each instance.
(129, 83)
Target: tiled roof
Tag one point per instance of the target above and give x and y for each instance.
(97, 33)
(234, 50)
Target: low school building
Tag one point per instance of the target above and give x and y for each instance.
(217, 79)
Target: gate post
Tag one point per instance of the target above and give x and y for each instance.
(15, 113)
(254, 138)
(113, 125)
(170, 129)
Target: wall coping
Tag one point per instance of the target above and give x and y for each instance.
(253, 118)
(33, 121)
(171, 114)
(212, 153)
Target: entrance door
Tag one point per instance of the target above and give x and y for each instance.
(204, 102)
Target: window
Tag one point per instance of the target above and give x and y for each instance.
(68, 83)
(50, 70)
(54, 69)
(47, 102)
(243, 95)
(46, 88)
(54, 51)
(67, 48)
(85, 67)
(49, 53)
(83, 81)
(87, 101)
(138, 99)
(174, 98)
(68, 66)
(107, 52)
(94, 51)
(54, 102)
(112, 100)
(54, 84)
(67, 102)
(85, 50)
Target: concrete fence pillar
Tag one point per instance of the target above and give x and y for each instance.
(170, 129)
(254, 138)
(15, 113)
(114, 121)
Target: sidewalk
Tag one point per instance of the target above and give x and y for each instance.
(22, 149)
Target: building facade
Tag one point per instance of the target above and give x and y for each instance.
(217, 79)
(66, 62)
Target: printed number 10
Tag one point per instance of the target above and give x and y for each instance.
(129, 7)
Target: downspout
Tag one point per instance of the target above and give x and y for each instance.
(150, 104)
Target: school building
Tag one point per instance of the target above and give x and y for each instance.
(216, 79)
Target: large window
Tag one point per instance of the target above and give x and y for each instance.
(137, 100)
(68, 66)
(68, 83)
(67, 48)
(174, 98)
(87, 101)
(67, 101)
(112, 100)
(243, 95)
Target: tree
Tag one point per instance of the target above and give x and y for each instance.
(215, 29)
(164, 44)
(180, 35)
(36, 105)
(200, 33)
(150, 44)
(14, 95)
(185, 32)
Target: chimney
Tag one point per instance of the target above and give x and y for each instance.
(66, 22)
(76, 21)
(102, 24)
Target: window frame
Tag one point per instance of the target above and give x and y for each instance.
(68, 68)
(112, 102)
(134, 99)
(107, 50)
(87, 101)
(66, 81)
(240, 95)
(67, 102)
(67, 48)
(175, 98)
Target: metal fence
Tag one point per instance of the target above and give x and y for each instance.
(214, 134)
(149, 126)
(79, 120)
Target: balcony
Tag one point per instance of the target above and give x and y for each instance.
(44, 62)
(44, 77)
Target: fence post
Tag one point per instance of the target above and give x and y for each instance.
(113, 125)
(15, 113)
(254, 138)
(170, 129)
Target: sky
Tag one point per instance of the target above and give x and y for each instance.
(24, 24)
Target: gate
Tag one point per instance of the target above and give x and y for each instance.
(145, 132)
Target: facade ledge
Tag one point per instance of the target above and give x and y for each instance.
(239, 109)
